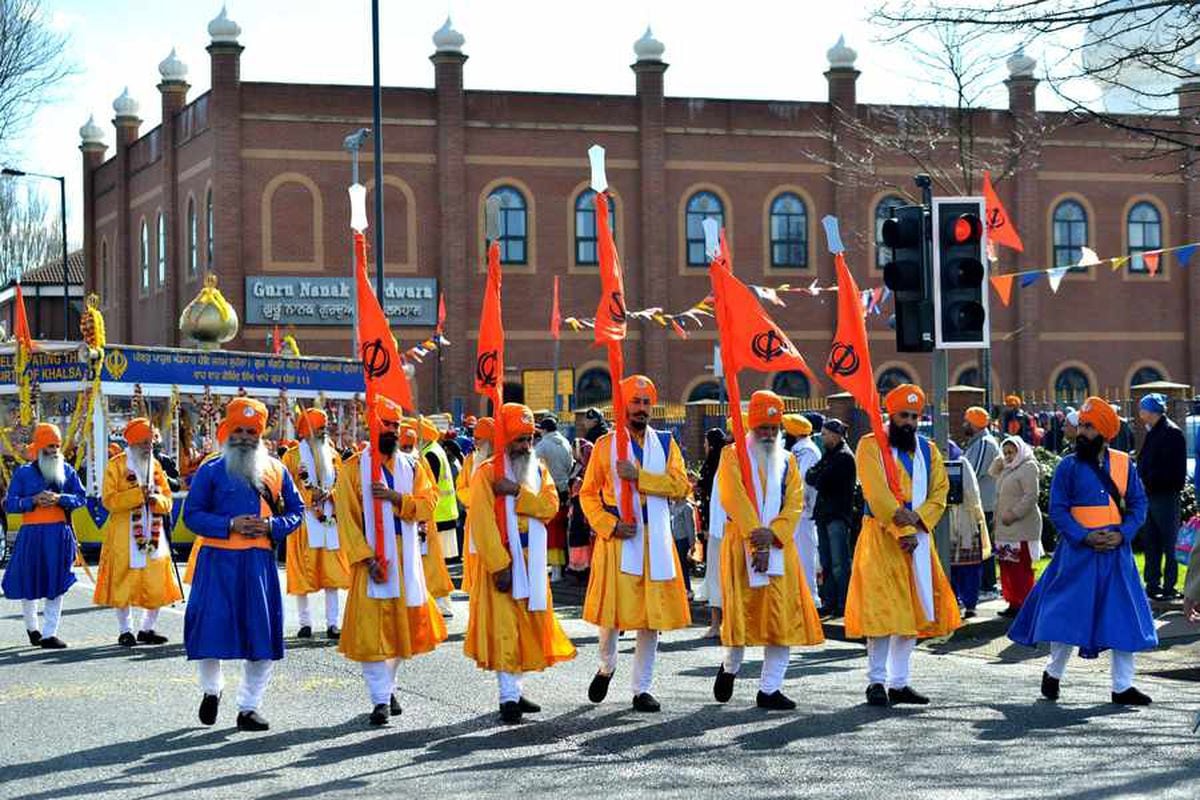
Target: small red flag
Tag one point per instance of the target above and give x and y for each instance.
(276, 341)
(555, 314)
(1000, 227)
(21, 323)
(441, 323)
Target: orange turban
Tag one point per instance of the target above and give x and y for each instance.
(429, 432)
(978, 417)
(517, 419)
(246, 412)
(1101, 416)
(44, 435)
(639, 386)
(222, 432)
(905, 397)
(114, 450)
(797, 425)
(766, 408)
(308, 420)
(485, 429)
(408, 433)
(1012, 401)
(138, 431)
(386, 410)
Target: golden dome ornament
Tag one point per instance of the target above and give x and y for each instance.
(209, 320)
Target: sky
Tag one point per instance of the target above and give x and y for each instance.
(744, 49)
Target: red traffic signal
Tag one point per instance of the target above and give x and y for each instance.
(964, 229)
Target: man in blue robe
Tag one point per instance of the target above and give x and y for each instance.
(242, 503)
(44, 492)
(1090, 596)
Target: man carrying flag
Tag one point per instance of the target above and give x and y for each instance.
(483, 432)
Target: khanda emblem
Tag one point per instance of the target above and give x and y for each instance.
(116, 363)
(616, 307)
(375, 359)
(843, 360)
(769, 345)
(995, 219)
(485, 369)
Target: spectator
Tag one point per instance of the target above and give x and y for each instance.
(714, 442)
(683, 526)
(165, 461)
(579, 533)
(594, 425)
(834, 478)
(969, 539)
(1070, 431)
(1124, 439)
(555, 451)
(807, 454)
(1162, 464)
(981, 450)
(1018, 520)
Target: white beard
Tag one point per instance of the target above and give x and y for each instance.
(483, 451)
(246, 464)
(770, 454)
(322, 452)
(53, 469)
(524, 468)
(139, 466)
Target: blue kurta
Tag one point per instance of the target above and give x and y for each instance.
(235, 609)
(1089, 598)
(42, 557)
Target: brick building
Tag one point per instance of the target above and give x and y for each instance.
(42, 288)
(248, 180)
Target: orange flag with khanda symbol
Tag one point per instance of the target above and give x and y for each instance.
(489, 371)
(1000, 227)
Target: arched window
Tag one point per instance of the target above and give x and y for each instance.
(193, 239)
(789, 231)
(1146, 375)
(883, 212)
(208, 230)
(586, 249)
(1071, 386)
(1145, 233)
(1070, 234)
(705, 390)
(791, 384)
(593, 388)
(514, 241)
(144, 256)
(162, 250)
(970, 377)
(700, 207)
(892, 377)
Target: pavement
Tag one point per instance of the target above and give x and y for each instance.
(97, 720)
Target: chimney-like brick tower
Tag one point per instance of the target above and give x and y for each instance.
(1189, 112)
(125, 257)
(848, 196)
(91, 145)
(173, 90)
(652, 357)
(1022, 106)
(225, 121)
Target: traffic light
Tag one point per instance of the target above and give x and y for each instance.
(907, 275)
(959, 273)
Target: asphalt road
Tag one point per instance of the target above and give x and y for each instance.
(97, 720)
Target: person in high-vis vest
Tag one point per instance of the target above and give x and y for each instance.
(483, 429)
(442, 537)
(242, 503)
(1091, 597)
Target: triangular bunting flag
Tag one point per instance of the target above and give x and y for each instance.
(1117, 263)
(1151, 261)
(1030, 279)
(1003, 284)
(1056, 275)
(1184, 254)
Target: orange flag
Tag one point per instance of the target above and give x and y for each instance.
(1000, 227)
(489, 357)
(555, 314)
(21, 324)
(383, 369)
(849, 364)
(1003, 285)
(1151, 261)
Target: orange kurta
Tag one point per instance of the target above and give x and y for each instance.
(462, 488)
(503, 635)
(616, 599)
(118, 585)
(375, 629)
(310, 570)
(883, 599)
(782, 612)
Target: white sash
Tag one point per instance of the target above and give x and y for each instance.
(658, 512)
(141, 517)
(922, 557)
(414, 573)
(528, 578)
(321, 535)
(716, 515)
(770, 498)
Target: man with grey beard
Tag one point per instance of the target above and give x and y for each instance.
(45, 492)
(241, 503)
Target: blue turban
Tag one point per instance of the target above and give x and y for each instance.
(1154, 403)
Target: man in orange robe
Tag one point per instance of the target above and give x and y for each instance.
(482, 431)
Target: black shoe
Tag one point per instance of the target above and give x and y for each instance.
(1153, 594)
(1170, 595)
(906, 696)
(528, 706)
(877, 695)
(1011, 611)
(35, 637)
(305, 632)
(1050, 686)
(598, 690)
(251, 721)
(723, 685)
(646, 703)
(1131, 697)
(379, 714)
(52, 643)
(333, 633)
(510, 712)
(394, 706)
(126, 639)
(968, 613)
(775, 701)
(208, 708)
(150, 637)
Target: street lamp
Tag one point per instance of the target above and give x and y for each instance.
(10, 172)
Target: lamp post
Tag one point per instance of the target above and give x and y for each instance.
(10, 172)
(353, 145)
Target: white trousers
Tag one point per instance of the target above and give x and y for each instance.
(644, 654)
(1122, 665)
(775, 663)
(510, 686)
(332, 609)
(889, 659)
(810, 559)
(712, 572)
(255, 676)
(380, 677)
(125, 619)
(51, 611)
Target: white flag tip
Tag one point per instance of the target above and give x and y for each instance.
(833, 236)
(596, 157)
(358, 207)
(712, 237)
(492, 218)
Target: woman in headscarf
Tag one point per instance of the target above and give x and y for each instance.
(579, 533)
(1018, 521)
(969, 542)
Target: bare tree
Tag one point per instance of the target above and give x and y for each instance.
(31, 63)
(29, 235)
